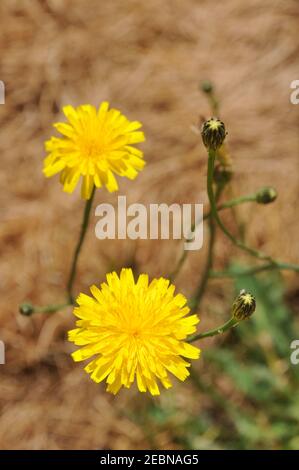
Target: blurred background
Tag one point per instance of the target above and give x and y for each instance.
(147, 59)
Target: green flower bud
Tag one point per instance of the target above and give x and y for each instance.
(243, 306)
(26, 309)
(207, 86)
(213, 133)
(222, 175)
(266, 195)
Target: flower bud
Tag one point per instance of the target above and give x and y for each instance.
(266, 195)
(26, 309)
(213, 133)
(222, 175)
(243, 306)
(207, 86)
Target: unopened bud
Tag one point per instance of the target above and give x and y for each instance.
(222, 175)
(243, 306)
(207, 86)
(266, 195)
(26, 309)
(213, 133)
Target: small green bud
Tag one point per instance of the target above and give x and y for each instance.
(26, 309)
(207, 86)
(222, 175)
(243, 306)
(213, 133)
(266, 195)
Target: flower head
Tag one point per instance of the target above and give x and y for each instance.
(243, 306)
(213, 133)
(135, 330)
(95, 144)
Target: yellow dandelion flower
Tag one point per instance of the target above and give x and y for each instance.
(95, 144)
(134, 331)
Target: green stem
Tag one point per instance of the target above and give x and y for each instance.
(215, 215)
(204, 280)
(220, 207)
(84, 227)
(51, 308)
(236, 216)
(179, 265)
(255, 270)
(209, 264)
(28, 309)
(232, 203)
(232, 322)
(214, 104)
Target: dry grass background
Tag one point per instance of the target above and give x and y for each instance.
(146, 58)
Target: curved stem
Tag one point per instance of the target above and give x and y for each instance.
(230, 204)
(236, 202)
(256, 270)
(84, 226)
(214, 213)
(225, 205)
(232, 322)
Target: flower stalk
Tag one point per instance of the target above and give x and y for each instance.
(225, 205)
(232, 322)
(28, 309)
(255, 270)
(195, 302)
(84, 226)
(215, 215)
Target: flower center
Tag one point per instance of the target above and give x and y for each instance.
(135, 333)
(91, 148)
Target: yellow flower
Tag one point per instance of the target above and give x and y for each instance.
(134, 330)
(95, 144)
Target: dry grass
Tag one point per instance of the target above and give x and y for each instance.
(147, 59)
